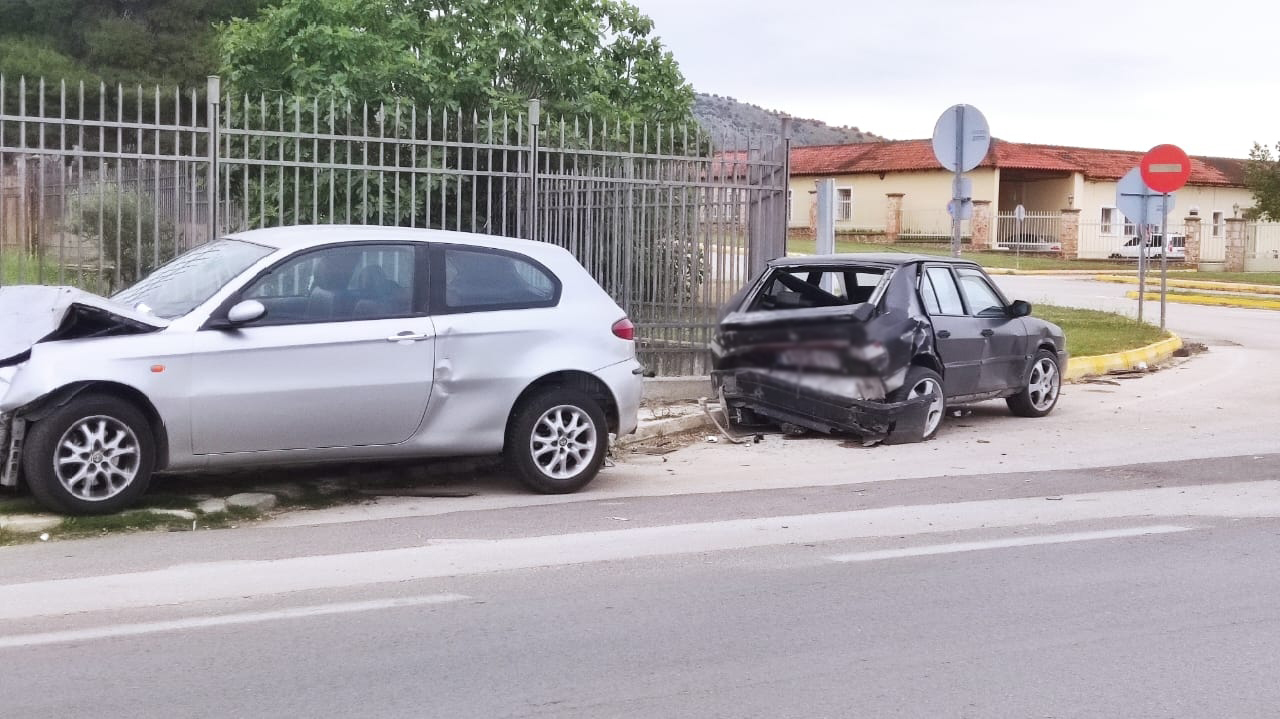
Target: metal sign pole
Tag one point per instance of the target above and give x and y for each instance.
(1164, 253)
(957, 204)
(1143, 237)
(1017, 246)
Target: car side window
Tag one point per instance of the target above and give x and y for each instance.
(947, 296)
(338, 284)
(982, 298)
(480, 279)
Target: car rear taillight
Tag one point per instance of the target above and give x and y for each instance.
(623, 329)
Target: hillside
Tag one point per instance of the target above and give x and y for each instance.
(724, 116)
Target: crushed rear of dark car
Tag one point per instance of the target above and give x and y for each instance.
(877, 346)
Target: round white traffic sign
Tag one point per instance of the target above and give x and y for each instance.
(961, 137)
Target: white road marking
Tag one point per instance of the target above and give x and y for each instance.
(206, 581)
(133, 630)
(954, 547)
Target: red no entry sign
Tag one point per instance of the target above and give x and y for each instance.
(1165, 168)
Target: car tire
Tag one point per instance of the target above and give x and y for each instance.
(557, 440)
(1043, 386)
(93, 455)
(918, 381)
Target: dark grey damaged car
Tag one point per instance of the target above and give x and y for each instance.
(878, 346)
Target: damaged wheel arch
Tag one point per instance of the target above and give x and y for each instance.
(35, 411)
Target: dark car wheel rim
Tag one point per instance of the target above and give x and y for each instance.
(925, 388)
(563, 442)
(1043, 387)
(97, 458)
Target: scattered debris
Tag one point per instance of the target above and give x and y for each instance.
(1053, 499)
(620, 519)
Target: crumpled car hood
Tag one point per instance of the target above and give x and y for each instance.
(30, 314)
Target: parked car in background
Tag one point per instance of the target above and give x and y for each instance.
(1029, 242)
(879, 345)
(315, 344)
(1154, 246)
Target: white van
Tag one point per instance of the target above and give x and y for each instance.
(1129, 250)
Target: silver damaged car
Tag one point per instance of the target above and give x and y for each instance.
(313, 344)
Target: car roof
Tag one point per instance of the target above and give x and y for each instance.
(297, 237)
(894, 259)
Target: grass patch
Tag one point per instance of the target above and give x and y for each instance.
(1093, 332)
(1248, 278)
(994, 259)
(23, 269)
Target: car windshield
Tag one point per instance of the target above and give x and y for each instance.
(181, 285)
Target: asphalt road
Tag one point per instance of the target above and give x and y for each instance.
(1155, 600)
(1114, 559)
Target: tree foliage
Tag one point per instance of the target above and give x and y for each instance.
(580, 57)
(1262, 177)
(128, 41)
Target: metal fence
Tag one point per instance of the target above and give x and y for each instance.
(1262, 247)
(1037, 230)
(98, 185)
(930, 225)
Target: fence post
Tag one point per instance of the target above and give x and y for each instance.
(981, 227)
(1192, 259)
(1069, 234)
(535, 112)
(892, 216)
(1235, 244)
(786, 186)
(212, 115)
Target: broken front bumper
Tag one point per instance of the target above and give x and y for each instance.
(782, 399)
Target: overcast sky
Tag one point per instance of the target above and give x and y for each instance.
(1118, 74)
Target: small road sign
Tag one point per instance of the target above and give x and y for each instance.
(966, 209)
(1165, 168)
(961, 137)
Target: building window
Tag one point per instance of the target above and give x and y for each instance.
(1108, 221)
(1129, 228)
(844, 204)
(1217, 224)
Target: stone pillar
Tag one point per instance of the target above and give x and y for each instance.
(1193, 241)
(893, 216)
(981, 226)
(1235, 244)
(1069, 234)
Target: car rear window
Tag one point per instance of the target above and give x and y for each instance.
(793, 288)
(477, 279)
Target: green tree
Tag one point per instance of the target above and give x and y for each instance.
(1262, 177)
(580, 57)
(128, 41)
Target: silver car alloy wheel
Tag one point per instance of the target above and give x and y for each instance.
(563, 441)
(925, 387)
(97, 458)
(1044, 384)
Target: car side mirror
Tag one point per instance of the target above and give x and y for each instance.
(1019, 308)
(245, 312)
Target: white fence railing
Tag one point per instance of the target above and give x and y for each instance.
(1262, 247)
(930, 225)
(1036, 229)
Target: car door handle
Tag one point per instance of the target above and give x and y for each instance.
(944, 334)
(988, 332)
(408, 337)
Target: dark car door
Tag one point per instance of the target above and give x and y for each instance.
(957, 336)
(1005, 355)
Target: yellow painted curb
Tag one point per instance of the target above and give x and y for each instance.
(1078, 367)
(1198, 284)
(1212, 300)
